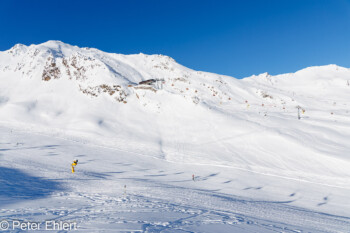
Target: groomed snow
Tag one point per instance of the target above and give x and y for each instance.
(258, 167)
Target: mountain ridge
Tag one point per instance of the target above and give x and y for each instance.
(57, 44)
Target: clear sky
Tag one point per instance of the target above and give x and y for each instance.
(236, 38)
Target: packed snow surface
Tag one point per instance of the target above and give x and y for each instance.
(268, 153)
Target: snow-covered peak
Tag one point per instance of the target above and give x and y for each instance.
(324, 72)
(17, 49)
(54, 44)
(316, 72)
(57, 48)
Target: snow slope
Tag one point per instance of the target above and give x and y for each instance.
(242, 138)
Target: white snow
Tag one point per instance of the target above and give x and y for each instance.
(258, 167)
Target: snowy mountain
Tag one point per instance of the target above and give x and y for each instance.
(185, 115)
(181, 115)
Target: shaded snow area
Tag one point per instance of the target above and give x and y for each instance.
(268, 153)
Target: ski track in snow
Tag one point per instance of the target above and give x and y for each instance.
(154, 200)
(200, 164)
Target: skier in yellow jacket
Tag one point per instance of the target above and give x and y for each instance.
(75, 163)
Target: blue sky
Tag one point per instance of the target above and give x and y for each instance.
(236, 38)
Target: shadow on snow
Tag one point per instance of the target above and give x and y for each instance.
(16, 185)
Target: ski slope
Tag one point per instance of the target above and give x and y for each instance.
(258, 168)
